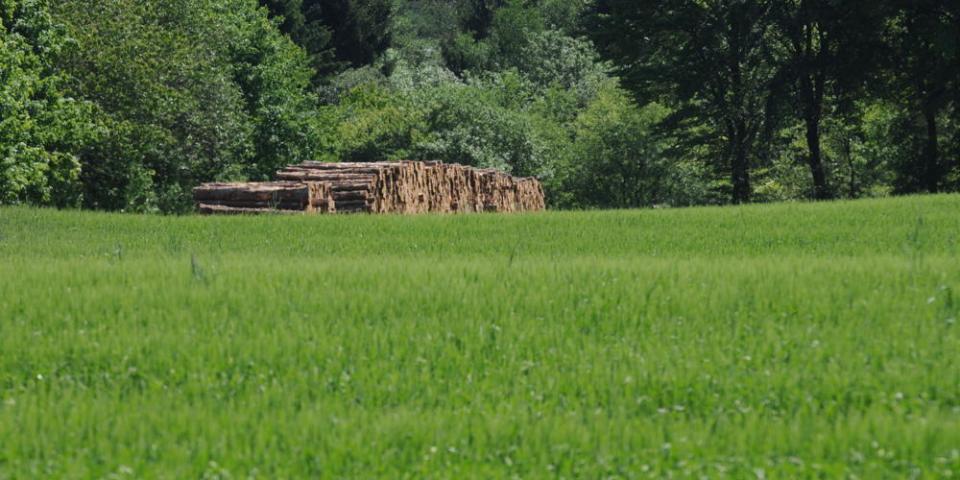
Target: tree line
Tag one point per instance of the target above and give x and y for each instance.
(126, 105)
(750, 69)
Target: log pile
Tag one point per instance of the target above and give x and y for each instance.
(382, 187)
(420, 187)
(264, 197)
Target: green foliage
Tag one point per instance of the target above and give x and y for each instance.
(336, 34)
(125, 105)
(829, 48)
(713, 61)
(479, 15)
(177, 114)
(471, 124)
(41, 127)
(308, 30)
(426, 19)
(619, 162)
(464, 54)
(563, 15)
(274, 78)
(361, 29)
(453, 122)
(512, 27)
(508, 100)
(742, 75)
(552, 59)
(174, 112)
(38, 177)
(862, 153)
(923, 41)
(375, 125)
(527, 101)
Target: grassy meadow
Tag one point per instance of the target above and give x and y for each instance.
(783, 341)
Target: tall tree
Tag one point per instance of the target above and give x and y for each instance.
(713, 60)
(361, 29)
(290, 12)
(925, 59)
(479, 16)
(310, 32)
(830, 48)
(337, 34)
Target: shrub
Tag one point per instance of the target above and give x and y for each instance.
(377, 124)
(618, 159)
(470, 124)
(552, 59)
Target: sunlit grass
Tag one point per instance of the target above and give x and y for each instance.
(779, 341)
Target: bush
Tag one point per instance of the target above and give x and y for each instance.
(376, 124)
(481, 124)
(618, 160)
(463, 54)
(552, 59)
(38, 177)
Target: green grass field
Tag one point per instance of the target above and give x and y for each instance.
(786, 341)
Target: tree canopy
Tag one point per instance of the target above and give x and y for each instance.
(336, 34)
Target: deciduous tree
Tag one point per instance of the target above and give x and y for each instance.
(713, 60)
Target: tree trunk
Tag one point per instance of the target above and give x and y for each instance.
(933, 174)
(820, 189)
(812, 86)
(740, 168)
(854, 191)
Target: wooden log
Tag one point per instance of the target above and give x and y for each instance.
(337, 171)
(208, 209)
(354, 207)
(342, 165)
(318, 171)
(298, 196)
(353, 186)
(353, 195)
(325, 177)
(256, 204)
(353, 203)
(239, 195)
(277, 191)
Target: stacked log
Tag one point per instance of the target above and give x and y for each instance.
(264, 197)
(530, 195)
(379, 187)
(420, 187)
(355, 187)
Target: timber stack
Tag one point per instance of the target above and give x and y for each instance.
(264, 197)
(414, 187)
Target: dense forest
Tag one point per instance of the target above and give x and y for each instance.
(127, 104)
